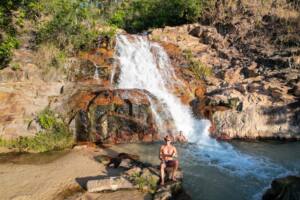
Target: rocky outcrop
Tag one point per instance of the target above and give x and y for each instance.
(30, 87)
(109, 116)
(254, 90)
(20, 103)
(139, 175)
(286, 188)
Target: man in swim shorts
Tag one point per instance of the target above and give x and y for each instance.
(167, 155)
(181, 138)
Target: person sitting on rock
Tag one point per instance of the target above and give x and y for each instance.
(167, 155)
(181, 138)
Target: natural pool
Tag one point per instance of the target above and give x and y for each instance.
(241, 173)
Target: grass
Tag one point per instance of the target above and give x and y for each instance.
(49, 56)
(55, 135)
(144, 183)
(199, 69)
(15, 66)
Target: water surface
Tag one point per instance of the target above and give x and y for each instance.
(208, 179)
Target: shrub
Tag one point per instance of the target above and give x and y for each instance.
(199, 69)
(139, 15)
(15, 66)
(72, 25)
(144, 182)
(9, 10)
(54, 136)
(6, 48)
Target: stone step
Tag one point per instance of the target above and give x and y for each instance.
(109, 184)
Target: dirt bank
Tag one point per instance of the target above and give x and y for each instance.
(57, 179)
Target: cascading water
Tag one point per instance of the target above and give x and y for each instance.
(145, 65)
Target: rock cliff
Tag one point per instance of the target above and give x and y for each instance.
(253, 90)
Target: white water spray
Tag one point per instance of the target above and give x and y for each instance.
(145, 65)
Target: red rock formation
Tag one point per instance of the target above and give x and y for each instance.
(111, 116)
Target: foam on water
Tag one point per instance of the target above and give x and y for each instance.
(145, 65)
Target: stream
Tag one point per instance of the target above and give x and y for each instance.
(205, 180)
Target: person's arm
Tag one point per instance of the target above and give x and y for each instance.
(174, 155)
(161, 154)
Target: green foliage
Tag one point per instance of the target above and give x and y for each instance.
(139, 15)
(72, 24)
(6, 47)
(9, 10)
(15, 66)
(47, 119)
(199, 69)
(54, 136)
(149, 183)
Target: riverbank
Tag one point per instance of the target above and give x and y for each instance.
(56, 179)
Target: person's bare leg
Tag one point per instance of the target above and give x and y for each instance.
(174, 170)
(162, 173)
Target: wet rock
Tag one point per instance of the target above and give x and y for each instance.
(163, 195)
(84, 69)
(169, 191)
(287, 188)
(110, 116)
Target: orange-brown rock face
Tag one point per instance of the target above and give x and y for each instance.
(111, 116)
(254, 90)
(94, 67)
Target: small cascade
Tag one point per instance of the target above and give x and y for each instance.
(96, 74)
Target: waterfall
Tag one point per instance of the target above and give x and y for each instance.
(96, 73)
(145, 65)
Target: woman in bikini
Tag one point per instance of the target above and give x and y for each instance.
(167, 155)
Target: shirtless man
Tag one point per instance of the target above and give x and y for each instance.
(167, 154)
(181, 138)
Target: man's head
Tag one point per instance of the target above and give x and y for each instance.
(168, 139)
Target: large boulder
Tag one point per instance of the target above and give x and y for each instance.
(258, 114)
(110, 116)
(287, 188)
